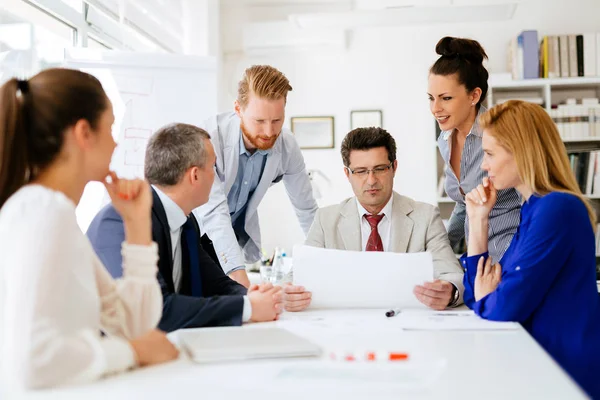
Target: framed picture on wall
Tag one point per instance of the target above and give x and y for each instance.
(366, 119)
(314, 132)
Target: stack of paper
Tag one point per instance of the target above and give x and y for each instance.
(449, 321)
(355, 279)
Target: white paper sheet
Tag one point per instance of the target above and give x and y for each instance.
(356, 279)
(393, 376)
(449, 321)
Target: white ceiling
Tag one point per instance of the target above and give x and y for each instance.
(360, 3)
(275, 3)
(258, 16)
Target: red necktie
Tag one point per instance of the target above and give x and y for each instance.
(374, 243)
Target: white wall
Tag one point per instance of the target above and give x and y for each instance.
(383, 68)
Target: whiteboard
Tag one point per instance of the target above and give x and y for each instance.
(147, 91)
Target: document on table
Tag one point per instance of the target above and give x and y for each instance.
(357, 279)
(449, 320)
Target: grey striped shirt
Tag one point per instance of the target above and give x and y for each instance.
(506, 214)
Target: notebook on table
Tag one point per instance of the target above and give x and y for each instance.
(224, 344)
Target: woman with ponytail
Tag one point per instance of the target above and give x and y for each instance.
(63, 319)
(457, 87)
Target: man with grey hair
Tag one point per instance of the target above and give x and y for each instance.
(196, 292)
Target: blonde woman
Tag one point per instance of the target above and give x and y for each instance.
(546, 279)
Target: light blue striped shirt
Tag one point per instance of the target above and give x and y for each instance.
(250, 170)
(504, 217)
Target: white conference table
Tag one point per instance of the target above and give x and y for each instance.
(442, 365)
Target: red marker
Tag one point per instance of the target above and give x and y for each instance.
(398, 356)
(368, 356)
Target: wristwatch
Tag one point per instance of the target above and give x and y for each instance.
(455, 296)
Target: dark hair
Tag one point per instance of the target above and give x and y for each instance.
(172, 150)
(34, 115)
(365, 139)
(463, 57)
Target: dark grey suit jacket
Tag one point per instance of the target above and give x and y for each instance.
(222, 300)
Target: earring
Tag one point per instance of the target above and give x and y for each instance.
(472, 104)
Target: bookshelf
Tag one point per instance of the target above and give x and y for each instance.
(554, 92)
(503, 81)
(550, 91)
(587, 144)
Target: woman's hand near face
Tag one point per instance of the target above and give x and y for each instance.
(481, 200)
(133, 201)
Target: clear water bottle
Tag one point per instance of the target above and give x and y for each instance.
(288, 268)
(278, 273)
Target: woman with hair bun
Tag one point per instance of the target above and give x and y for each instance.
(457, 87)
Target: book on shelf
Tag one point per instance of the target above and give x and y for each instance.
(597, 54)
(572, 55)
(549, 57)
(590, 67)
(568, 55)
(586, 169)
(590, 172)
(515, 64)
(524, 55)
(564, 55)
(553, 57)
(577, 120)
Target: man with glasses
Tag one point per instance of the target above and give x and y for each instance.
(379, 219)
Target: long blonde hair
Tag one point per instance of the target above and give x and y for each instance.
(528, 132)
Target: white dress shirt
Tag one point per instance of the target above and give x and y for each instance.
(384, 227)
(56, 297)
(176, 218)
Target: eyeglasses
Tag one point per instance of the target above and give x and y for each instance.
(364, 172)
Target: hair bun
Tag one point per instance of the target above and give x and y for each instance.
(457, 47)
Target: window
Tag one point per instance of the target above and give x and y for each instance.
(96, 44)
(35, 33)
(134, 25)
(49, 45)
(76, 5)
(31, 45)
(157, 21)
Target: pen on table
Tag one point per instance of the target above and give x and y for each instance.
(393, 312)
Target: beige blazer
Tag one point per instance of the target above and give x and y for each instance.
(416, 227)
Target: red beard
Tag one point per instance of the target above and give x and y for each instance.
(256, 141)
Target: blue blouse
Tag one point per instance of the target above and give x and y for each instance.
(549, 285)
